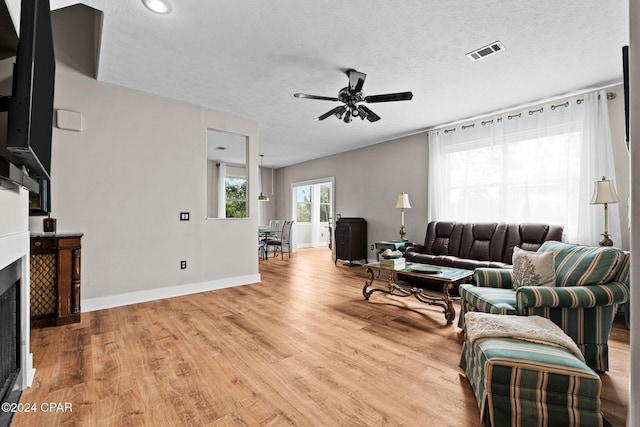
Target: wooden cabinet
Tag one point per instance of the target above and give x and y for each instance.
(55, 279)
(351, 239)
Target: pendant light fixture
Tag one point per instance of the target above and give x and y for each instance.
(262, 197)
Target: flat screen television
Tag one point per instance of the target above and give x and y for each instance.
(30, 118)
(625, 74)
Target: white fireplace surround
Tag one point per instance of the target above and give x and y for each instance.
(14, 247)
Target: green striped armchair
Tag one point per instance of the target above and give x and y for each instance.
(590, 283)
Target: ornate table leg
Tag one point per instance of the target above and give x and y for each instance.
(449, 311)
(366, 293)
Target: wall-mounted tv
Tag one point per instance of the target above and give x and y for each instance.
(625, 74)
(30, 119)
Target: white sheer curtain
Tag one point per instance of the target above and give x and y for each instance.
(533, 165)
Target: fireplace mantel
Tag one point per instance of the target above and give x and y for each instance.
(14, 247)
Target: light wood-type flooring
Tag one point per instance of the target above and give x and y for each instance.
(301, 348)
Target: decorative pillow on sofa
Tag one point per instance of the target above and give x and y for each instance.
(533, 268)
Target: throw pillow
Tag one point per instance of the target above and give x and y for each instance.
(533, 268)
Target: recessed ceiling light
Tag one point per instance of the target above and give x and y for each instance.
(157, 6)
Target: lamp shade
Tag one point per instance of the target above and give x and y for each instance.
(403, 201)
(604, 192)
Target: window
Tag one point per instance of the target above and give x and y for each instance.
(226, 189)
(529, 166)
(516, 181)
(325, 203)
(303, 204)
(235, 197)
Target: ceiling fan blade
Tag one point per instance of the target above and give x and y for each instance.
(332, 112)
(400, 96)
(371, 116)
(356, 80)
(322, 98)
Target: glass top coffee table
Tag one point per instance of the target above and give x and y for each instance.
(445, 275)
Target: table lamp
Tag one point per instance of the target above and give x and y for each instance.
(604, 192)
(402, 204)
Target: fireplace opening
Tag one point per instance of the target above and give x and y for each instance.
(9, 336)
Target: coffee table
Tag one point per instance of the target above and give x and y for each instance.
(445, 275)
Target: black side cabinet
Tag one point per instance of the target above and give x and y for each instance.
(351, 239)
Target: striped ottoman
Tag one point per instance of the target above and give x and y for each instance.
(521, 383)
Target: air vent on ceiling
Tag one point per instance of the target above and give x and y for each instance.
(485, 51)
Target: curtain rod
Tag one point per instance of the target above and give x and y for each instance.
(610, 95)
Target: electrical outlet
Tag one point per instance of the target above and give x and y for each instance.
(184, 216)
(372, 247)
(183, 265)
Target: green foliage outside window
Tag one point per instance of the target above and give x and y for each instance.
(303, 204)
(236, 197)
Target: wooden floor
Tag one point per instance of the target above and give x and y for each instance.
(301, 348)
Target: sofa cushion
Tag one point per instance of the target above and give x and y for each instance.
(529, 236)
(533, 268)
(483, 241)
(578, 265)
(489, 300)
(443, 238)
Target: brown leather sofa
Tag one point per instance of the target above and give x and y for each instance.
(470, 245)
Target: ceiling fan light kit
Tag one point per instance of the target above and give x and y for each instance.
(352, 97)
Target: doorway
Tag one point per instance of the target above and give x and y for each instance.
(312, 210)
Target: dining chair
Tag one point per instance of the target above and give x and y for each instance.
(275, 233)
(284, 241)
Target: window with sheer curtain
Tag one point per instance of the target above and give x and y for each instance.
(534, 165)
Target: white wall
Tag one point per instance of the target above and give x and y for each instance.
(139, 160)
(621, 160)
(14, 211)
(14, 11)
(367, 184)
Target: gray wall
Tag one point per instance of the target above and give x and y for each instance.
(138, 162)
(367, 184)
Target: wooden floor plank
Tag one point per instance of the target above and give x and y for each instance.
(300, 348)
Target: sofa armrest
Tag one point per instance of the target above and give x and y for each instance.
(416, 247)
(493, 277)
(571, 296)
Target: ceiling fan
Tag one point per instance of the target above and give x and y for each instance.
(352, 97)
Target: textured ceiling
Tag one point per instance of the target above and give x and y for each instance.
(250, 57)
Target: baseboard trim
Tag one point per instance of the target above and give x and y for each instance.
(119, 300)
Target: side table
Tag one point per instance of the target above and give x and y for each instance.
(55, 278)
